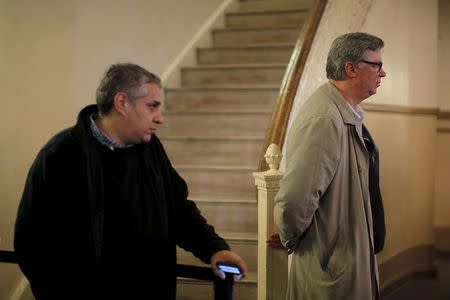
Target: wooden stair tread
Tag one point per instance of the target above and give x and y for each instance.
(257, 28)
(266, 11)
(216, 167)
(249, 46)
(236, 66)
(273, 5)
(228, 87)
(239, 236)
(251, 278)
(218, 112)
(214, 138)
(215, 199)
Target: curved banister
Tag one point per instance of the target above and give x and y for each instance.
(277, 128)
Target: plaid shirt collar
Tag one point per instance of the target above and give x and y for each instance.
(101, 137)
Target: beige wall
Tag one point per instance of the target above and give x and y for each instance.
(149, 33)
(409, 29)
(407, 142)
(52, 54)
(444, 55)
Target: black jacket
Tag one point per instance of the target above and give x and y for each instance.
(60, 227)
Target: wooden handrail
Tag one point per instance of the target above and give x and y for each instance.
(276, 131)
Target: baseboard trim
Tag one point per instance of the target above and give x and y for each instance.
(442, 238)
(444, 114)
(411, 263)
(20, 289)
(443, 254)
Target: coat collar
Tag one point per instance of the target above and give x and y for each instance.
(342, 105)
(345, 111)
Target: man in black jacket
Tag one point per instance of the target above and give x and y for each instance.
(103, 209)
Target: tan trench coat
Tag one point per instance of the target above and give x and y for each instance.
(323, 208)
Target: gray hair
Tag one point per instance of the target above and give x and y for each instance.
(124, 77)
(349, 47)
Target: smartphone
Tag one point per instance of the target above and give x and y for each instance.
(228, 268)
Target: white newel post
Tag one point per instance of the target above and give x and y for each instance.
(272, 263)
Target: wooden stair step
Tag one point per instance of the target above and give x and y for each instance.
(233, 74)
(268, 18)
(215, 124)
(189, 150)
(261, 36)
(245, 55)
(219, 181)
(200, 99)
(274, 5)
(229, 214)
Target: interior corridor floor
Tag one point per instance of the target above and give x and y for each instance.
(426, 288)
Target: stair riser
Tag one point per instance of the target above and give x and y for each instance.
(216, 100)
(188, 290)
(231, 216)
(213, 152)
(229, 184)
(238, 56)
(246, 249)
(250, 37)
(223, 76)
(245, 6)
(264, 20)
(216, 125)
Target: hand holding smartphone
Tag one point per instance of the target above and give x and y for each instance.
(229, 268)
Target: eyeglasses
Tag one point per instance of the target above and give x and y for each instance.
(379, 64)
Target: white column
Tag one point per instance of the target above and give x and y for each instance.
(272, 263)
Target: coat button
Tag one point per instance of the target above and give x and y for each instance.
(359, 169)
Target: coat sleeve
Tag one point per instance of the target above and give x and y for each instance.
(193, 232)
(37, 230)
(46, 240)
(313, 157)
(29, 222)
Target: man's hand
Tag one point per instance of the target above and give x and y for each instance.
(226, 256)
(274, 241)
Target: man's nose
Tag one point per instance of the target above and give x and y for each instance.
(159, 118)
(382, 73)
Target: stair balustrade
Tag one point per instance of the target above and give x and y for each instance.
(272, 262)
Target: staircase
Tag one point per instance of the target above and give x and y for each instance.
(216, 123)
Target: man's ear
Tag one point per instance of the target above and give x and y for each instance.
(350, 69)
(120, 102)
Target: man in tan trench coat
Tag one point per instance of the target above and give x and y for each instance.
(329, 210)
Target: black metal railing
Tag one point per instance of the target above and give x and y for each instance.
(8, 257)
(223, 289)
